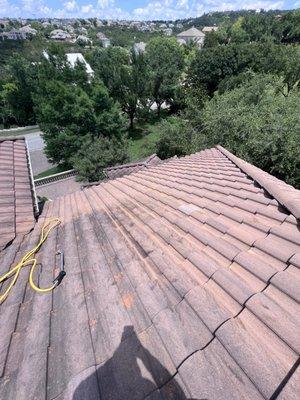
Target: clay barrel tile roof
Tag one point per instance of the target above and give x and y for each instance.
(182, 282)
(16, 197)
(125, 169)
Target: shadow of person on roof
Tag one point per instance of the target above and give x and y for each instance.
(132, 373)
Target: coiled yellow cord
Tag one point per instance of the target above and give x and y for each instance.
(28, 259)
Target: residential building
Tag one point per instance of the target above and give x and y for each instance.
(83, 40)
(168, 31)
(4, 23)
(74, 58)
(28, 30)
(103, 39)
(46, 24)
(60, 35)
(191, 35)
(14, 34)
(83, 30)
(208, 29)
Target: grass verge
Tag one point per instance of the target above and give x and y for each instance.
(51, 171)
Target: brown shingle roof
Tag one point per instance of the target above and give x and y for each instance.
(16, 199)
(182, 282)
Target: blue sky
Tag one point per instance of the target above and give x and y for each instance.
(133, 9)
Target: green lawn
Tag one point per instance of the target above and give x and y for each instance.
(51, 171)
(143, 140)
(19, 132)
(142, 143)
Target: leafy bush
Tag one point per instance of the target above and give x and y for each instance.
(67, 114)
(260, 122)
(98, 153)
(177, 138)
(212, 65)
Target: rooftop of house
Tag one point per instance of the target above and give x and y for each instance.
(182, 283)
(73, 58)
(210, 28)
(17, 200)
(192, 32)
(125, 169)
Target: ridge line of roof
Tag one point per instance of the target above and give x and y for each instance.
(12, 138)
(285, 194)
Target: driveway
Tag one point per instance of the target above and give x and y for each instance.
(36, 144)
(35, 141)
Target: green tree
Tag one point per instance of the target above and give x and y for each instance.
(211, 39)
(126, 76)
(135, 86)
(238, 33)
(98, 153)
(5, 111)
(67, 115)
(291, 27)
(212, 65)
(165, 59)
(177, 138)
(259, 121)
(18, 91)
(108, 65)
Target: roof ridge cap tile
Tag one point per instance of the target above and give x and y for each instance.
(12, 138)
(285, 194)
(133, 163)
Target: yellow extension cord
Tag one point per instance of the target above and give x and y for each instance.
(28, 259)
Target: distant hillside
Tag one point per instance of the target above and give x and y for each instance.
(216, 18)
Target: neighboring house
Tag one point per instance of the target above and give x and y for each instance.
(18, 205)
(60, 35)
(139, 47)
(101, 35)
(14, 34)
(192, 35)
(163, 26)
(73, 58)
(70, 29)
(55, 32)
(4, 23)
(82, 30)
(83, 40)
(103, 39)
(208, 29)
(182, 281)
(46, 24)
(99, 23)
(28, 30)
(168, 31)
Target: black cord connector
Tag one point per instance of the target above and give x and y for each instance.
(59, 278)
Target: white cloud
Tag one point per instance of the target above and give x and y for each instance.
(154, 9)
(104, 4)
(87, 9)
(7, 9)
(70, 5)
(175, 9)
